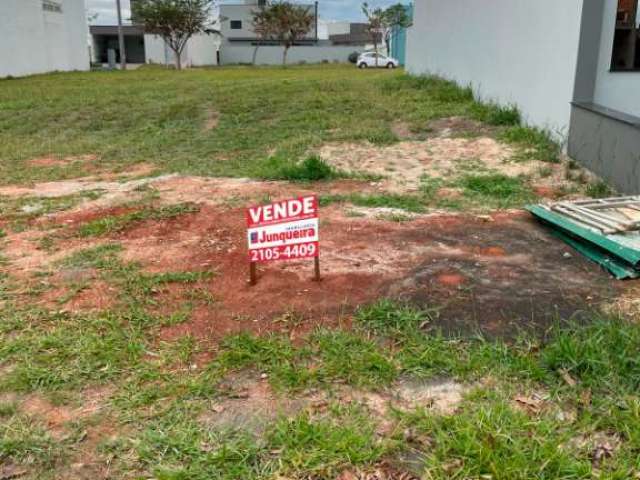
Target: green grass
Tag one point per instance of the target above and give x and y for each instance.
(387, 317)
(116, 223)
(161, 401)
(324, 448)
(177, 447)
(74, 351)
(340, 357)
(24, 440)
(136, 289)
(535, 144)
(497, 115)
(264, 113)
(409, 203)
(311, 169)
(98, 257)
(160, 389)
(496, 190)
(490, 438)
(599, 189)
(20, 210)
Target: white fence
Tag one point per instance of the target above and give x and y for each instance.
(231, 54)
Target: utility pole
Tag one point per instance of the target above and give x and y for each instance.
(123, 54)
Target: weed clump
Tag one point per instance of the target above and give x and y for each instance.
(311, 169)
(408, 203)
(117, 223)
(538, 144)
(599, 189)
(495, 114)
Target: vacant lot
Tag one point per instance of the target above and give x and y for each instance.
(451, 336)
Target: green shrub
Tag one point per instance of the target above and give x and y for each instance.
(495, 114)
(599, 189)
(538, 144)
(311, 169)
(389, 317)
(495, 185)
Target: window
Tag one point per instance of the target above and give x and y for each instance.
(236, 24)
(51, 6)
(626, 42)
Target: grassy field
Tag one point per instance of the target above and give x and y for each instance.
(155, 116)
(103, 394)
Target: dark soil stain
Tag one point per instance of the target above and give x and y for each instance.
(519, 279)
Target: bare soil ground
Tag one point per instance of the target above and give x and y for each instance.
(457, 146)
(497, 273)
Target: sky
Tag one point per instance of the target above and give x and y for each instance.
(329, 9)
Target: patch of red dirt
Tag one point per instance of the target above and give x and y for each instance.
(493, 251)
(128, 172)
(545, 191)
(451, 279)
(52, 161)
(213, 240)
(80, 217)
(483, 275)
(99, 295)
(55, 417)
(96, 296)
(497, 274)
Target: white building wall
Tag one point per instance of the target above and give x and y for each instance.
(272, 55)
(521, 52)
(201, 51)
(156, 51)
(339, 28)
(616, 90)
(37, 41)
(244, 14)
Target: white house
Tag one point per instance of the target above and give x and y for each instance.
(40, 36)
(239, 41)
(201, 50)
(570, 66)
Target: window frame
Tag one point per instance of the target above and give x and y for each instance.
(50, 6)
(632, 30)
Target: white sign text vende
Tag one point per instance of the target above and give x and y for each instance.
(284, 230)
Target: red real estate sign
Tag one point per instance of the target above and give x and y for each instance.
(284, 230)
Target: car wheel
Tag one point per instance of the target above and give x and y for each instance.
(363, 65)
(390, 65)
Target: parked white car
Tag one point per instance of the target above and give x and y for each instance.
(368, 59)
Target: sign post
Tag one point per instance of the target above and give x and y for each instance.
(285, 230)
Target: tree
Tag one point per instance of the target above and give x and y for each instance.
(283, 22)
(263, 28)
(380, 23)
(375, 25)
(396, 16)
(175, 21)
